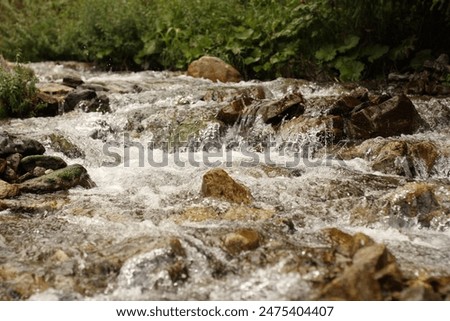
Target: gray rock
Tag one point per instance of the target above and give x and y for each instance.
(73, 98)
(10, 144)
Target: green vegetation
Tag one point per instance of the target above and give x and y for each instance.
(346, 39)
(18, 92)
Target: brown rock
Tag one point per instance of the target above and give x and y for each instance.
(345, 104)
(232, 112)
(388, 159)
(425, 152)
(242, 240)
(72, 81)
(3, 165)
(373, 273)
(55, 90)
(327, 127)
(394, 117)
(419, 290)
(8, 190)
(413, 200)
(218, 184)
(347, 244)
(288, 107)
(214, 69)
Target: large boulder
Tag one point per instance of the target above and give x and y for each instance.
(61, 179)
(214, 69)
(218, 184)
(393, 117)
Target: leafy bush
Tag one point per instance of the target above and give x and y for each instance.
(18, 92)
(348, 39)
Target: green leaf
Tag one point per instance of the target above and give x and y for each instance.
(349, 69)
(419, 59)
(245, 34)
(374, 52)
(349, 43)
(326, 53)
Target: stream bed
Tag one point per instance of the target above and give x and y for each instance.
(147, 232)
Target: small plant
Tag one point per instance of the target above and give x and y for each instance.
(18, 92)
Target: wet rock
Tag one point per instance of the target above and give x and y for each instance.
(432, 80)
(393, 117)
(61, 179)
(242, 213)
(61, 144)
(10, 144)
(346, 244)
(52, 105)
(232, 112)
(395, 156)
(39, 171)
(75, 97)
(10, 175)
(218, 184)
(3, 164)
(13, 161)
(58, 91)
(232, 93)
(29, 163)
(8, 190)
(419, 290)
(214, 69)
(346, 103)
(99, 104)
(391, 159)
(372, 275)
(242, 240)
(288, 107)
(412, 203)
(72, 81)
(327, 128)
(19, 285)
(271, 111)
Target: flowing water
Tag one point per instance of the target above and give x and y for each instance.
(147, 233)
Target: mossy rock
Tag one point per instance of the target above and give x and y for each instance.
(28, 163)
(61, 179)
(61, 144)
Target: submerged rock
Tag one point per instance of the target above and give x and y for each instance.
(62, 179)
(214, 69)
(218, 184)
